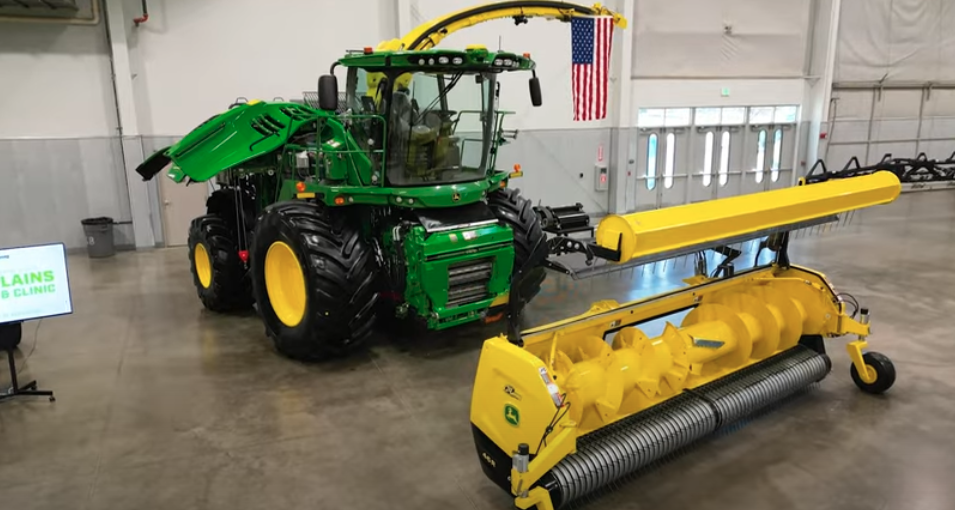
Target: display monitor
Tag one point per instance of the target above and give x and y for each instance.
(34, 283)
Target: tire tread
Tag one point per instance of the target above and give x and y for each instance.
(339, 264)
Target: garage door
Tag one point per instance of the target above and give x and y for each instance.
(903, 122)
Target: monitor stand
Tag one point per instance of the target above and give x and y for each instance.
(10, 334)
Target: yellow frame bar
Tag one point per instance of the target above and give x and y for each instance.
(674, 228)
(471, 16)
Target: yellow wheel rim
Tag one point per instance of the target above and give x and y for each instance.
(285, 284)
(203, 265)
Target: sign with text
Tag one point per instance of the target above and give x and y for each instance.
(34, 283)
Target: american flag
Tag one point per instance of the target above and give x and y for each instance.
(590, 39)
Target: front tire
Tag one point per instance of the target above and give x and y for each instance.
(314, 280)
(218, 273)
(530, 242)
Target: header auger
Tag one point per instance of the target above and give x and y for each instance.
(563, 411)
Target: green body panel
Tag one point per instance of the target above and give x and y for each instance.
(430, 258)
(237, 136)
(341, 160)
(445, 195)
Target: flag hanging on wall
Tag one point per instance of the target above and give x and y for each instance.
(590, 40)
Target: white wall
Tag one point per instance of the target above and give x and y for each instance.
(905, 43)
(724, 38)
(192, 59)
(898, 40)
(687, 52)
(742, 92)
(55, 81)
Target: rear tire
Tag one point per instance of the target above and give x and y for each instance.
(530, 242)
(314, 277)
(218, 273)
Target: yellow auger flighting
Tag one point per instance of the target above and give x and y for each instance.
(561, 411)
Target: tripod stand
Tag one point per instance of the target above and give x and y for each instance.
(10, 335)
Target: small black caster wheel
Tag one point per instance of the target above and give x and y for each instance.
(52, 398)
(884, 373)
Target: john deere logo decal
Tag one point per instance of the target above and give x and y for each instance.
(512, 415)
(456, 196)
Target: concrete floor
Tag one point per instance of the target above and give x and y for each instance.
(162, 405)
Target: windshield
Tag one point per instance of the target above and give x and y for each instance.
(438, 126)
(439, 130)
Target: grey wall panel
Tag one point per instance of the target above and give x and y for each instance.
(50, 185)
(849, 131)
(938, 150)
(553, 161)
(939, 127)
(836, 156)
(903, 123)
(897, 150)
(895, 129)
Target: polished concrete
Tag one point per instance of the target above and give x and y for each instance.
(162, 405)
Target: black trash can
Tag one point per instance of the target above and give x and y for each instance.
(99, 237)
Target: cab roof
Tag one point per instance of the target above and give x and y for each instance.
(474, 58)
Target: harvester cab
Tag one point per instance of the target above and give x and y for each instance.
(428, 118)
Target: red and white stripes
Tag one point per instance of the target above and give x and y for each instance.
(590, 79)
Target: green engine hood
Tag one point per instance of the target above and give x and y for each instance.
(231, 138)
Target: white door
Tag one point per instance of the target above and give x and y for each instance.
(781, 155)
(704, 160)
(662, 167)
(756, 154)
(181, 204)
(675, 167)
(730, 143)
(649, 171)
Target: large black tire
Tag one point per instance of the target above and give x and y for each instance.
(530, 242)
(222, 203)
(338, 270)
(222, 283)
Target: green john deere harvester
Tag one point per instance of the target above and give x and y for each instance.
(384, 201)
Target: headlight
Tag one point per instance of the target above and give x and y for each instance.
(508, 62)
(498, 62)
(457, 61)
(431, 61)
(442, 60)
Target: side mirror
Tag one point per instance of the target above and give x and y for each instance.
(535, 86)
(328, 92)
